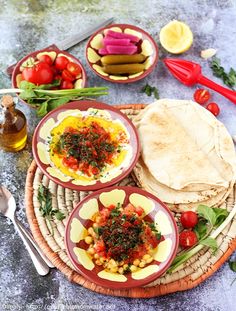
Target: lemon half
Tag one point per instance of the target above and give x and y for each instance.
(176, 37)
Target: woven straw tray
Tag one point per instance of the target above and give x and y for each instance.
(196, 269)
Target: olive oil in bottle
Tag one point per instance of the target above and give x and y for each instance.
(13, 126)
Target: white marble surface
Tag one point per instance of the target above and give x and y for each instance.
(29, 25)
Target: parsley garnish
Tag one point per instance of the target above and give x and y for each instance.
(149, 90)
(229, 78)
(154, 229)
(116, 211)
(98, 230)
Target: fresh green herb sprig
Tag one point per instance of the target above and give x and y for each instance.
(232, 265)
(46, 209)
(44, 99)
(149, 90)
(229, 78)
(209, 220)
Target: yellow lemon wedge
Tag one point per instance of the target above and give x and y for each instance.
(176, 37)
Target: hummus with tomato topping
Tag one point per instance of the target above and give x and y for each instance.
(121, 240)
(89, 146)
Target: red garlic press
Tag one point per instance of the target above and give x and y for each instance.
(190, 73)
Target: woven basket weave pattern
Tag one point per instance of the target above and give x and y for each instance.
(50, 237)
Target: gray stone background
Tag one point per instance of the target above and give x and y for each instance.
(29, 25)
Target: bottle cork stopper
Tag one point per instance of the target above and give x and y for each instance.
(7, 101)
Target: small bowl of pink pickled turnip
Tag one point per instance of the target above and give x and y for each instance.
(122, 53)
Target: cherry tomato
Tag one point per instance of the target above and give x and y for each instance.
(55, 71)
(201, 96)
(73, 68)
(66, 75)
(189, 219)
(61, 62)
(46, 59)
(66, 85)
(187, 238)
(213, 108)
(40, 73)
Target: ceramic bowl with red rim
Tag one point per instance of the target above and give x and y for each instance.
(86, 145)
(51, 55)
(120, 68)
(85, 214)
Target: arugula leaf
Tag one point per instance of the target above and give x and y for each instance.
(207, 213)
(201, 228)
(232, 265)
(54, 103)
(209, 219)
(149, 90)
(49, 86)
(25, 85)
(229, 79)
(27, 94)
(210, 242)
(43, 109)
(221, 215)
(45, 99)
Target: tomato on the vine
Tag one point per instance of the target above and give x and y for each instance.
(66, 75)
(189, 219)
(66, 85)
(61, 62)
(201, 96)
(46, 59)
(187, 238)
(213, 108)
(57, 77)
(40, 73)
(73, 68)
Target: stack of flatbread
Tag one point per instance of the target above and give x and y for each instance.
(187, 156)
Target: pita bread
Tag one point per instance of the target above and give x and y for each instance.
(169, 195)
(215, 201)
(187, 155)
(170, 144)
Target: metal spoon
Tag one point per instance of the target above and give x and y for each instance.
(8, 208)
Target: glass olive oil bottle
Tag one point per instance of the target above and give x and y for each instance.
(13, 126)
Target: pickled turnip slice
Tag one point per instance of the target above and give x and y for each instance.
(118, 49)
(112, 41)
(121, 35)
(103, 51)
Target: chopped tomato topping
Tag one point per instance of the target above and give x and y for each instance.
(88, 149)
(123, 234)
